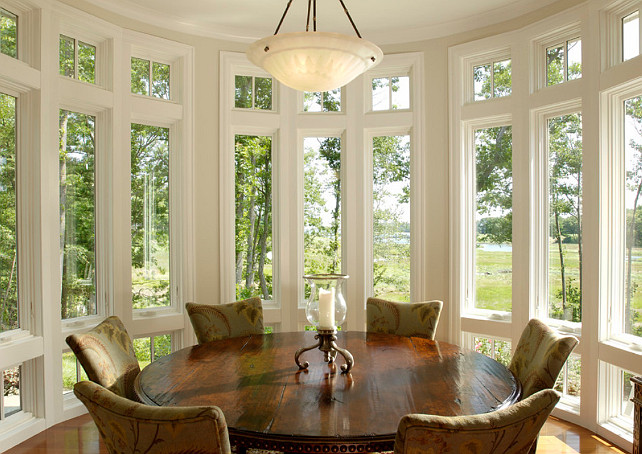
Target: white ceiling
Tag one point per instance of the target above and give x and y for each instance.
(383, 22)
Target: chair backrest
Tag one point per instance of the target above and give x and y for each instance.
(540, 356)
(107, 355)
(512, 430)
(132, 427)
(403, 319)
(221, 321)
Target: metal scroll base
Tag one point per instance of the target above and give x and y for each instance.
(329, 347)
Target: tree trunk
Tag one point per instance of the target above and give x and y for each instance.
(558, 234)
(336, 213)
(249, 266)
(63, 121)
(5, 301)
(579, 231)
(629, 253)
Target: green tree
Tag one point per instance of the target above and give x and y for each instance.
(391, 234)
(8, 240)
(565, 201)
(150, 215)
(77, 214)
(253, 188)
(633, 110)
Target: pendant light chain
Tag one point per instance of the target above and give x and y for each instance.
(313, 4)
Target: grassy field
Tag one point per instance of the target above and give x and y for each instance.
(494, 276)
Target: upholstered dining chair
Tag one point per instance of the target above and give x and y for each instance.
(512, 430)
(539, 357)
(222, 321)
(107, 355)
(131, 427)
(403, 319)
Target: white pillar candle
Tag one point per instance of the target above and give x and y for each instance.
(326, 309)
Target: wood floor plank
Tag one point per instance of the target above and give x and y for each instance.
(80, 436)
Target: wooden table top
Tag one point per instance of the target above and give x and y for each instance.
(267, 399)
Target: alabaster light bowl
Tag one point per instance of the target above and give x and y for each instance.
(314, 61)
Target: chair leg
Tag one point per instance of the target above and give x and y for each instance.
(533, 447)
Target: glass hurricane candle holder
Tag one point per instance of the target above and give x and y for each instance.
(326, 310)
(326, 307)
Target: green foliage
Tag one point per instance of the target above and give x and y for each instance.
(67, 56)
(8, 228)
(322, 206)
(391, 233)
(252, 92)
(160, 80)
(565, 207)
(492, 80)
(263, 90)
(557, 57)
(494, 213)
(8, 34)
(633, 298)
(140, 76)
(328, 101)
(77, 214)
(253, 220)
(86, 62)
(150, 215)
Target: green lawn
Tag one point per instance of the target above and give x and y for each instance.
(494, 276)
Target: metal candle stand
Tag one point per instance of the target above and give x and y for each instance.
(327, 344)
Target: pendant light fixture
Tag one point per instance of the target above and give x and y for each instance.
(314, 61)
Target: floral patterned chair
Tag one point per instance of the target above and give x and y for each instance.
(403, 319)
(512, 430)
(221, 321)
(107, 355)
(131, 427)
(539, 357)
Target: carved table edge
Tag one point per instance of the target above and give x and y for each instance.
(285, 443)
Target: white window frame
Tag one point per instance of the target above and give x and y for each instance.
(561, 35)
(611, 30)
(540, 240)
(480, 59)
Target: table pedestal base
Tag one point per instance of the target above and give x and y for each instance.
(327, 344)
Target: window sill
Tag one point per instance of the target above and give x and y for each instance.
(495, 316)
(624, 344)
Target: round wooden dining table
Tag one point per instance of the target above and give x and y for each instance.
(270, 404)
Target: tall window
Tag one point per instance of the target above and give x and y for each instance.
(391, 217)
(150, 216)
(327, 101)
(77, 59)
(492, 80)
(322, 205)
(77, 214)
(150, 78)
(8, 33)
(253, 224)
(8, 228)
(494, 218)
(564, 62)
(565, 217)
(253, 92)
(632, 319)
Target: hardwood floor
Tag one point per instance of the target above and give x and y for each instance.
(79, 435)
